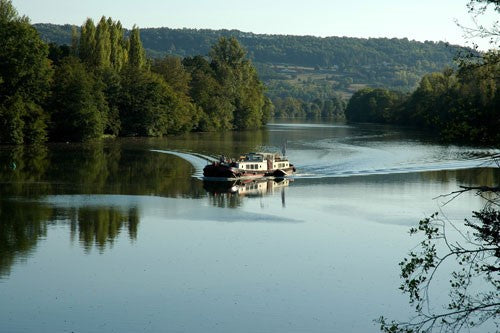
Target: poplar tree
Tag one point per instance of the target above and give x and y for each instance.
(87, 46)
(103, 44)
(117, 52)
(136, 53)
(74, 41)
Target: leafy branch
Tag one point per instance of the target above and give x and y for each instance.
(474, 296)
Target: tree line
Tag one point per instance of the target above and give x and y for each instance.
(460, 105)
(376, 62)
(103, 84)
(311, 51)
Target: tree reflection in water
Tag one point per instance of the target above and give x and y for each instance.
(30, 174)
(100, 226)
(24, 223)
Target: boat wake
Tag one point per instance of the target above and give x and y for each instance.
(346, 159)
(340, 170)
(198, 161)
(363, 163)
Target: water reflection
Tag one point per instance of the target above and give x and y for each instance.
(231, 193)
(24, 223)
(127, 166)
(100, 226)
(468, 177)
(94, 169)
(179, 242)
(30, 174)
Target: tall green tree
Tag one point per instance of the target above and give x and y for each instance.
(119, 52)
(75, 42)
(78, 106)
(103, 44)
(239, 79)
(136, 53)
(87, 44)
(25, 75)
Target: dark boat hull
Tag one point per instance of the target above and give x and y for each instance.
(219, 171)
(223, 172)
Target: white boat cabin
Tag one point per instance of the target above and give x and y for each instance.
(262, 162)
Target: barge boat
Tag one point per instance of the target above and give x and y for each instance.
(248, 166)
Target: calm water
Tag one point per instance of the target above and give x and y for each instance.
(124, 236)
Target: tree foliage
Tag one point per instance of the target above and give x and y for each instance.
(78, 106)
(377, 62)
(149, 107)
(474, 297)
(105, 85)
(136, 53)
(227, 89)
(460, 105)
(238, 78)
(491, 31)
(374, 105)
(216, 110)
(25, 76)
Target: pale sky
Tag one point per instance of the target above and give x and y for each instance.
(420, 20)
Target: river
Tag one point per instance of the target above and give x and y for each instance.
(124, 235)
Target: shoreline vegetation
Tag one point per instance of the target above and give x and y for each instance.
(103, 85)
(460, 105)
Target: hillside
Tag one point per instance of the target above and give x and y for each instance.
(305, 68)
